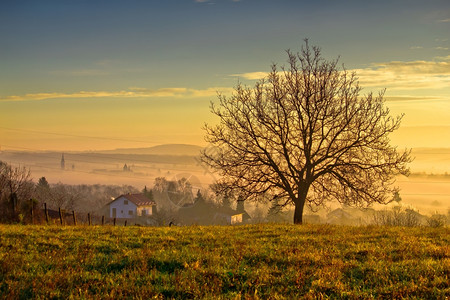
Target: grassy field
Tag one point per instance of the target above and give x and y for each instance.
(248, 262)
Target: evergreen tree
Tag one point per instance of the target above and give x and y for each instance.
(199, 197)
(43, 183)
(148, 193)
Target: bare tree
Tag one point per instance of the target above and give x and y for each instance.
(15, 188)
(63, 196)
(306, 136)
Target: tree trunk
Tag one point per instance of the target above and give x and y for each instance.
(298, 212)
(299, 205)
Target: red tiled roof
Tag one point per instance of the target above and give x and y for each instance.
(138, 199)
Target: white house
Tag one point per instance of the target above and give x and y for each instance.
(130, 206)
(229, 216)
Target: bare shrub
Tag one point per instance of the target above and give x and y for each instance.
(397, 216)
(437, 220)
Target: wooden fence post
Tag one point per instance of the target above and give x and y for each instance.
(46, 213)
(103, 220)
(60, 216)
(89, 218)
(125, 223)
(74, 218)
(114, 220)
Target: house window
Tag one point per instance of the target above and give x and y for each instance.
(130, 212)
(125, 202)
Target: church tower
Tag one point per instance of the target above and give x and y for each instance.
(63, 162)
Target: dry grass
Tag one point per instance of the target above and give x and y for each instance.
(254, 261)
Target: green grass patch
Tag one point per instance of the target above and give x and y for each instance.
(252, 261)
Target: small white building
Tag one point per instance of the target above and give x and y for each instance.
(130, 206)
(228, 216)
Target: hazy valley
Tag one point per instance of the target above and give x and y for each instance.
(426, 190)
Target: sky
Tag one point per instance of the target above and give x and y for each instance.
(106, 74)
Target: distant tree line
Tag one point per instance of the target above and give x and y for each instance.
(19, 194)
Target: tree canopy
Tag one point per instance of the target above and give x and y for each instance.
(305, 135)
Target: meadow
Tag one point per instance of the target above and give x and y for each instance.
(264, 261)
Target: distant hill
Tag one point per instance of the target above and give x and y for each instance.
(167, 149)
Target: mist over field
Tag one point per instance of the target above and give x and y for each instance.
(427, 189)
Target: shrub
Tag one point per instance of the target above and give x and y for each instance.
(397, 216)
(437, 220)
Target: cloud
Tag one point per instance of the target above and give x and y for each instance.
(444, 20)
(440, 48)
(444, 58)
(395, 75)
(404, 75)
(133, 92)
(410, 75)
(251, 75)
(407, 98)
(415, 47)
